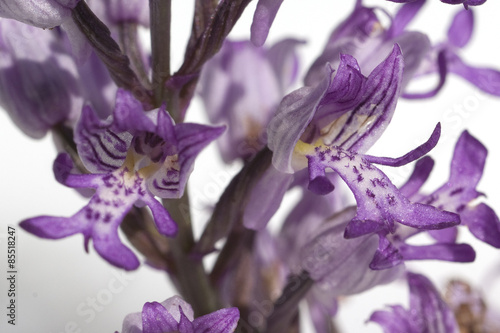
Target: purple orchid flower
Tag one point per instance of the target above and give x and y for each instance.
(174, 315)
(363, 36)
(237, 94)
(444, 58)
(457, 195)
(39, 87)
(329, 127)
(132, 157)
(428, 312)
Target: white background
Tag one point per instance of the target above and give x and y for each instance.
(57, 277)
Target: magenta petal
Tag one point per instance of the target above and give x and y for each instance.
(263, 19)
(156, 319)
(483, 223)
(221, 321)
(461, 28)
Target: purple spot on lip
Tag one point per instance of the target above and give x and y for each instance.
(360, 178)
(456, 191)
(107, 217)
(354, 169)
(460, 208)
(370, 193)
(391, 200)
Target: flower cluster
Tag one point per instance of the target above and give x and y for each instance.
(77, 69)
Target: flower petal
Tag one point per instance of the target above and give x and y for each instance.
(486, 79)
(100, 148)
(420, 174)
(265, 198)
(380, 203)
(460, 30)
(428, 312)
(170, 180)
(156, 319)
(396, 321)
(263, 19)
(221, 321)
(483, 223)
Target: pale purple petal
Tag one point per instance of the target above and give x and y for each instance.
(263, 19)
(266, 198)
(294, 114)
(44, 14)
(483, 223)
(396, 321)
(340, 266)
(156, 319)
(403, 17)
(428, 312)
(442, 69)
(129, 114)
(486, 79)
(174, 305)
(100, 148)
(244, 99)
(285, 61)
(461, 28)
(221, 321)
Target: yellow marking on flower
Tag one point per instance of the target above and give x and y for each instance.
(170, 163)
(301, 150)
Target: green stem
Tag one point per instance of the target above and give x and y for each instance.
(190, 275)
(160, 16)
